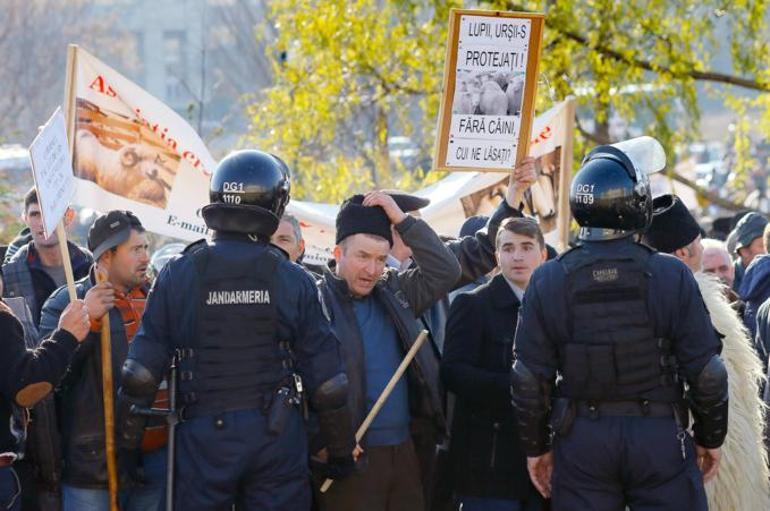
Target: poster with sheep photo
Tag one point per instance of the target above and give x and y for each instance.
(489, 90)
(131, 151)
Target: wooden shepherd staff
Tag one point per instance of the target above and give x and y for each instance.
(109, 406)
(385, 394)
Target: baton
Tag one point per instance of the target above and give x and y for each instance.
(385, 394)
(171, 416)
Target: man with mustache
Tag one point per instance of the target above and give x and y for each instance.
(119, 244)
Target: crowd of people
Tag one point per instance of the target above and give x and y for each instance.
(628, 371)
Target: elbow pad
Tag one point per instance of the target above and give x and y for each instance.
(531, 397)
(709, 403)
(137, 387)
(330, 401)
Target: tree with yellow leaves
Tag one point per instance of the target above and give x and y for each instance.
(351, 75)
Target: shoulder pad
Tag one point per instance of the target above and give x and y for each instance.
(195, 246)
(277, 252)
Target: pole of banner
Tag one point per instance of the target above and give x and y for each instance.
(69, 89)
(385, 394)
(65, 259)
(70, 113)
(109, 406)
(565, 177)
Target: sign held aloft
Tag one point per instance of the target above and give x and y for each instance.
(51, 162)
(52, 171)
(490, 77)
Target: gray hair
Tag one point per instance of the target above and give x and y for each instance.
(294, 225)
(714, 244)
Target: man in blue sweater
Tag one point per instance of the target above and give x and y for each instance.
(374, 311)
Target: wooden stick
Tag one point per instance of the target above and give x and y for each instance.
(385, 394)
(565, 173)
(69, 101)
(65, 260)
(109, 406)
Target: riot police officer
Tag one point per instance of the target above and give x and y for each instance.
(251, 338)
(607, 336)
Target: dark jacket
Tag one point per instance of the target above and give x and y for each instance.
(20, 367)
(21, 239)
(43, 448)
(405, 295)
(484, 453)
(762, 337)
(24, 276)
(476, 255)
(755, 290)
(80, 394)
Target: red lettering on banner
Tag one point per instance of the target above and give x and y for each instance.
(100, 85)
(190, 156)
(544, 135)
(170, 142)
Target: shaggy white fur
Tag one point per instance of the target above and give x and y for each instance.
(743, 481)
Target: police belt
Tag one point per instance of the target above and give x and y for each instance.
(256, 402)
(640, 408)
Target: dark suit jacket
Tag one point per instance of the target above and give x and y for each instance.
(486, 458)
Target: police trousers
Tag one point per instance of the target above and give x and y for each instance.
(608, 463)
(232, 459)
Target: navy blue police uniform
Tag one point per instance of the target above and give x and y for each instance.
(250, 337)
(607, 336)
(243, 319)
(620, 323)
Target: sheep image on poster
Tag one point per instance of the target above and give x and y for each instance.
(490, 77)
(123, 156)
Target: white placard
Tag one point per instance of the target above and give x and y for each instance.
(490, 75)
(52, 171)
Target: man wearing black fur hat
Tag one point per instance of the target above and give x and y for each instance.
(674, 231)
(374, 312)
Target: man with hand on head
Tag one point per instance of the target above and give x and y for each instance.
(375, 312)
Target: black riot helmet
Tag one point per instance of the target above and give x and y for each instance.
(610, 198)
(248, 192)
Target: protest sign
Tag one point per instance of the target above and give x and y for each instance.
(463, 194)
(490, 78)
(52, 171)
(131, 151)
(548, 198)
